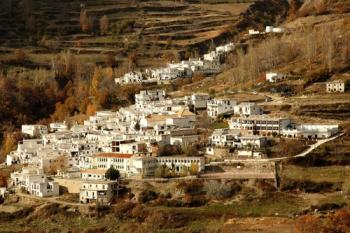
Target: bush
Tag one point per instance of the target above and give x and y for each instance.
(138, 212)
(346, 187)
(307, 186)
(123, 210)
(194, 200)
(327, 206)
(175, 203)
(191, 187)
(147, 196)
(220, 190)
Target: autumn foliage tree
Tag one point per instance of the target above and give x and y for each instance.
(20, 55)
(307, 224)
(85, 21)
(338, 222)
(104, 25)
(9, 144)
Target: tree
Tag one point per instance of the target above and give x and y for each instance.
(190, 150)
(294, 6)
(20, 56)
(95, 81)
(85, 21)
(194, 169)
(169, 57)
(104, 25)
(162, 171)
(27, 8)
(112, 173)
(220, 190)
(91, 109)
(30, 24)
(110, 60)
(9, 143)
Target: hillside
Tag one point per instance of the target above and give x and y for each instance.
(37, 35)
(313, 50)
(152, 31)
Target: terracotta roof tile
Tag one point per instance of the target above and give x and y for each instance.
(114, 155)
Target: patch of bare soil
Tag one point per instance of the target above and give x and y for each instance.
(262, 225)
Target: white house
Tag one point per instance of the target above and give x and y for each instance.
(34, 130)
(180, 119)
(274, 29)
(247, 109)
(26, 151)
(44, 188)
(198, 100)
(131, 77)
(143, 166)
(232, 138)
(101, 191)
(128, 146)
(35, 182)
(253, 141)
(58, 126)
(253, 32)
(225, 48)
(335, 86)
(145, 97)
(179, 163)
(184, 140)
(120, 162)
(217, 107)
(225, 137)
(249, 154)
(212, 56)
(273, 77)
(3, 191)
(260, 124)
(311, 131)
(93, 174)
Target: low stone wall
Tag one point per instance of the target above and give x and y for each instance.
(71, 185)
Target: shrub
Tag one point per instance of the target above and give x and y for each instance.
(138, 212)
(307, 186)
(194, 200)
(327, 206)
(191, 187)
(220, 190)
(123, 210)
(147, 196)
(346, 187)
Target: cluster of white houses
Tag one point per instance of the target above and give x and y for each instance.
(209, 64)
(131, 140)
(268, 29)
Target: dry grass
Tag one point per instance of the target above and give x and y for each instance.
(332, 174)
(232, 8)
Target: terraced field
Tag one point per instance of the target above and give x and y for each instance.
(147, 28)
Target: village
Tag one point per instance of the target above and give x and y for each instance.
(156, 116)
(159, 137)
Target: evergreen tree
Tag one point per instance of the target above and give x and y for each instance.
(112, 174)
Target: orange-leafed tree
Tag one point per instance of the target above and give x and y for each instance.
(85, 21)
(308, 224)
(20, 55)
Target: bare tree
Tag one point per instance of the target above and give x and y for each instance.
(104, 25)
